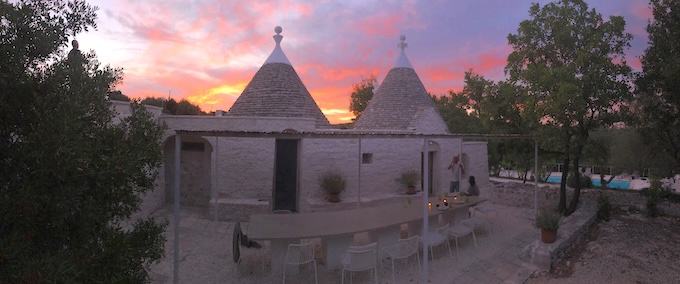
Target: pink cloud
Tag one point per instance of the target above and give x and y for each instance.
(385, 25)
(635, 63)
(207, 51)
(642, 11)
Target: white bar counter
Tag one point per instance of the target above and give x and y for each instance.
(337, 228)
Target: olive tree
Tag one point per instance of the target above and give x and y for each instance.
(658, 87)
(572, 64)
(70, 178)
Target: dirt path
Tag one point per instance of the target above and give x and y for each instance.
(631, 248)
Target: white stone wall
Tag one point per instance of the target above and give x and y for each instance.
(152, 200)
(390, 158)
(477, 165)
(123, 110)
(235, 123)
(243, 167)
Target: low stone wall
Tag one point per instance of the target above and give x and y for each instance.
(572, 228)
(522, 195)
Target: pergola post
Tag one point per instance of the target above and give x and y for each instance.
(175, 272)
(425, 229)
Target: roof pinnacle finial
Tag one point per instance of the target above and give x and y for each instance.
(401, 45)
(278, 37)
(277, 55)
(402, 60)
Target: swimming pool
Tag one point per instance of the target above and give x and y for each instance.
(620, 184)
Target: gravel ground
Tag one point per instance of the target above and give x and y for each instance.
(631, 248)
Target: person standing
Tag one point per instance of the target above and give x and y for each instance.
(458, 170)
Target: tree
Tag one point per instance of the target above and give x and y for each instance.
(118, 96)
(70, 178)
(460, 110)
(185, 107)
(171, 106)
(658, 87)
(154, 101)
(452, 109)
(572, 64)
(362, 93)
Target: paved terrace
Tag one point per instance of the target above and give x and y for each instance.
(510, 254)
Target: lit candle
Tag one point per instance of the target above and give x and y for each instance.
(429, 204)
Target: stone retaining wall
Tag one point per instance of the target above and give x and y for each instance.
(522, 195)
(572, 228)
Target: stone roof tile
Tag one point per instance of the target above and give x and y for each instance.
(277, 91)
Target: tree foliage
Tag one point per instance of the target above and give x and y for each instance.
(70, 178)
(362, 93)
(658, 87)
(118, 96)
(572, 65)
(171, 106)
(460, 110)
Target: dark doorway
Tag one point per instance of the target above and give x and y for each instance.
(286, 175)
(430, 170)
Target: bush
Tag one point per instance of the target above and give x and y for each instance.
(653, 196)
(604, 208)
(548, 219)
(585, 181)
(332, 183)
(409, 178)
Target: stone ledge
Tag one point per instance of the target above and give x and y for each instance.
(236, 209)
(350, 202)
(545, 256)
(240, 201)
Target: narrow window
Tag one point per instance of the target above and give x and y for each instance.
(367, 158)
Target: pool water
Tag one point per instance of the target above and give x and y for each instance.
(621, 184)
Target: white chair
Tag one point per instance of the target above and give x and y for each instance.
(360, 258)
(439, 237)
(298, 254)
(404, 249)
(460, 231)
(487, 210)
(478, 222)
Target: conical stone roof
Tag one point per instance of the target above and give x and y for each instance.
(277, 91)
(402, 103)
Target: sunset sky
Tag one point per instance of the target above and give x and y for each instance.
(208, 50)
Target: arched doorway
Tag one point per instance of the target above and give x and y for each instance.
(195, 170)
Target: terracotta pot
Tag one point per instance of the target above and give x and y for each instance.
(334, 197)
(411, 190)
(548, 236)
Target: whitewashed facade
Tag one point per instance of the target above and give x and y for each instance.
(232, 177)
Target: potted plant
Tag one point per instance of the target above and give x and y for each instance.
(548, 221)
(409, 178)
(332, 183)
